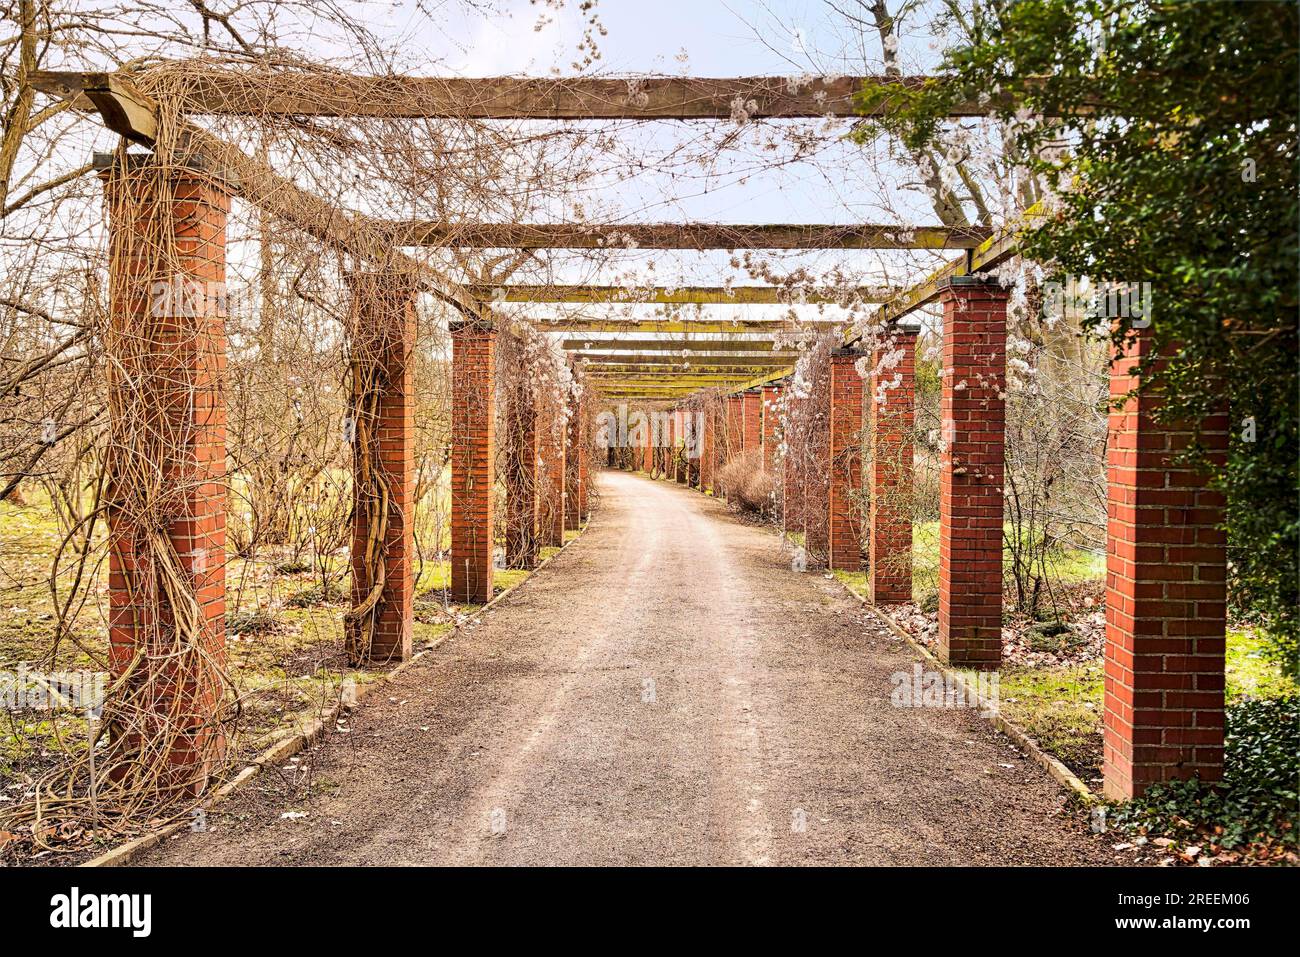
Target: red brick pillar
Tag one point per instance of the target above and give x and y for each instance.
(552, 444)
(648, 450)
(575, 464)
(706, 441)
(523, 496)
(695, 448)
(735, 426)
(1165, 596)
(771, 419)
(752, 410)
(584, 458)
(845, 522)
(816, 482)
(381, 411)
(473, 449)
(735, 432)
(971, 472)
(791, 486)
(891, 415)
(166, 496)
(681, 466)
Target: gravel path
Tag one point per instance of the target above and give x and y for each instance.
(667, 691)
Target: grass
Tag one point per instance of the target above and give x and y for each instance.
(284, 641)
(1061, 708)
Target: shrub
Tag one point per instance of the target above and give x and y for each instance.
(1257, 799)
(746, 484)
(255, 621)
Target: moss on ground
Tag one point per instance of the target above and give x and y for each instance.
(1061, 709)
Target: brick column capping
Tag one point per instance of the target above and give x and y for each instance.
(167, 416)
(771, 420)
(523, 496)
(891, 416)
(378, 627)
(971, 472)
(844, 520)
(1165, 594)
(473, 448)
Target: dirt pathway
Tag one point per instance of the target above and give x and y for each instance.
(667, 691)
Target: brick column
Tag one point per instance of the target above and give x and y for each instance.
(694, 433)
(891, 415)
(552, 455)
(791, 486)
(473, 448)
(971, 472)
(681, 472)
(735, 426)
(752, 410)
(771, 419)
(844, 519)
(378, 627)
(523, 496)
(1165, 596)
(166, 494)
(584, 457)
(735, 432)
(575, 462)
(816, 483)
(706, 450)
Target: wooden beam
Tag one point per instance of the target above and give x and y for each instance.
(679, 326)
(994, 251)
(759, 346)
(697, 236)
(675, 376)
(661, 360)
(127, 111)
(317, 93)
(684, 295)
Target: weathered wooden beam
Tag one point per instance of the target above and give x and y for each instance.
(680, 326)
(697, 236)
(629, 392)
(297, 93)
(762, 346)
(127, 111)
(684, 295)
(668, 360)
(674, 376)
(994, 251)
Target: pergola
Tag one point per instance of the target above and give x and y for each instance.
(1164, 663)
